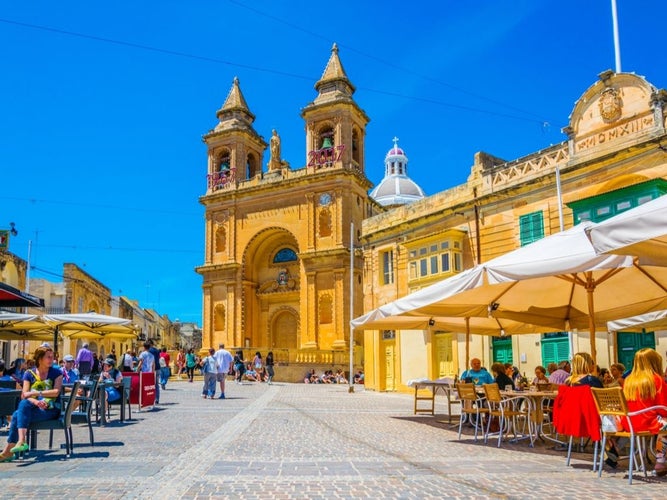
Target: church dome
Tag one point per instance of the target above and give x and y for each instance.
(395, 151)
(396, 188)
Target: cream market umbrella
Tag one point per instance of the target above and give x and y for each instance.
(483, 325)
(558, 282)
(641, 231)
(17, 326)
(656, 320)
(90, 325)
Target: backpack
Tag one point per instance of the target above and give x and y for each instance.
(163, 362)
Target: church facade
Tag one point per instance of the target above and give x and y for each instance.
(280, 267)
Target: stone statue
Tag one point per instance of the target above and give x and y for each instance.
(274, 161)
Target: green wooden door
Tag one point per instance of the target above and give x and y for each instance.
(502, 350)
(629, 343)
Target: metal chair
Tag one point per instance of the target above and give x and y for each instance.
(63, 422)
(575, 415)
(508, 411)
(83, 412)
(611, 403)
(124, 400)
(471, 404)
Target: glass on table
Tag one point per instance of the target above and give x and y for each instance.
(532, 388)
(509, 388)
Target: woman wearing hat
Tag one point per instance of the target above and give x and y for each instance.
(108, 376)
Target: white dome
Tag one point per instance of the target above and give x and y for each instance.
(396, 188)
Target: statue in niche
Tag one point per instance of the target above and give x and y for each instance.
(274, 144)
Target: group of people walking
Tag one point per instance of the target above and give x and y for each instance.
(219, 364)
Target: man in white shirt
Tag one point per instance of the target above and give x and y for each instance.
(224, 360)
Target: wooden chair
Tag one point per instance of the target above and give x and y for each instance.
(471, 404)
(507, 411)
(63, 422)
(611, 403)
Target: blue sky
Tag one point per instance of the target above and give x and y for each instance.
(104, 105)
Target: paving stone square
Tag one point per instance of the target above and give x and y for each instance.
(297, 441)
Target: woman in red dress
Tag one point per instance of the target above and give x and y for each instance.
(643, 388)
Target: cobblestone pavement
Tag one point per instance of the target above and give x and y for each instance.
(301, 441)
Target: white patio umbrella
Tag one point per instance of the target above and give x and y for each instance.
(656, 320)
(477, 325)
(90, 320)
(17, 326)
(90, 325)
(641, 231)
(558, 282)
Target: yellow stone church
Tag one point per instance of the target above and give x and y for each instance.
(288, 249)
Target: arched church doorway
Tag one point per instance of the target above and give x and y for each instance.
(284, 330)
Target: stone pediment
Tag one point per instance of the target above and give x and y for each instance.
(617, 111)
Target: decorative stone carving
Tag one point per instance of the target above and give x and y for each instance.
(611, 105)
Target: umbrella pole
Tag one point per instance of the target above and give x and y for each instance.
(55, 344)
(591, 320)
(467, 344)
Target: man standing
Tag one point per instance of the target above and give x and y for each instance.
(224, 360)
(156, 368)
(84, 360)
(476, 374)
(165, 361)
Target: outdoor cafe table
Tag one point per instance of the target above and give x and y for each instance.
(102, 397)
(535, 400)
(446, 387)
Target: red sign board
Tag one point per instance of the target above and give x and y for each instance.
(142, 388)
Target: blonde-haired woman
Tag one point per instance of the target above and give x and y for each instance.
(643, 388)
(582, 371)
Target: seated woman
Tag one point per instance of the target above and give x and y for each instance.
(583, 367)
(250, 374)
(616, 371)
(643, 388)
(41, 390)
(108, 376)
(501, 378)
(540, 376)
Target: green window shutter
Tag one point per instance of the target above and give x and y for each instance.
(502, 350)
(531, 227)
(555, 350)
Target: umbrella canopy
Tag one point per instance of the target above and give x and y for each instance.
(91, 321)
(91, 325)
(13, 297)
(656, 320)
(16, 326)
(483, 325)
(641, 231)
(558, 282)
